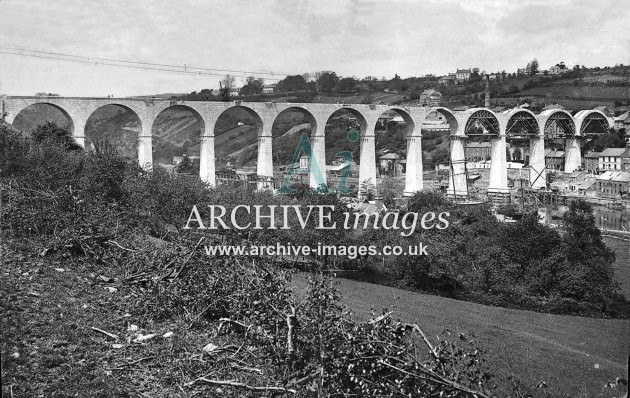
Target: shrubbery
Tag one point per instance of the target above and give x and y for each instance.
(98, 210)
(523, 264)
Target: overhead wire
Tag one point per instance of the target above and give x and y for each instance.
(141, 65)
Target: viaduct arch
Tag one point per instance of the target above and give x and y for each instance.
(477, 122)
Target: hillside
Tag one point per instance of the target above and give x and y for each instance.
(519, 343)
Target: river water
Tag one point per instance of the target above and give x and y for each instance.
(606, 219)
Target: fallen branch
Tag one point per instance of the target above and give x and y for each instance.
(290, 330)
(228, 320)
(113, 336)
(113, 242)
(237, 384)
(192, 252)
(247, 369)
(415, 327)
(121, 367)
(437, 378)
(379, 318)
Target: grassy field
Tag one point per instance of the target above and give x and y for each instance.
(622, 262)
(573, 356)
(566, 91)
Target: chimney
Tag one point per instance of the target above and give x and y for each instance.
(487, 92)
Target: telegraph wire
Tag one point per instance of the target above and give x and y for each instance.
(96, 61)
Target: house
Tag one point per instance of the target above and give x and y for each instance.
(234, 91)
(553, 106)
(554, 159)
(477, 151)
(269, 88)
(587, 188)
(558, 69)
(304, 162)
(446, 80)
(402, 166)
(430, 98)
(604, 109)
(613, 184)
(610, 159)
(590, 162)
(577, 176)
(462, 75)
(619, 120)
(625, 157)
(384, 119)
(390, 164)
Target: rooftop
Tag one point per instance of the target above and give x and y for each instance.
(615, 176)
(576, 174)
(586, 184)
(550, 153)
(478, 145)
(612, 152)
(391, 156)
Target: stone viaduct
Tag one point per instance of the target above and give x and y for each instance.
(470, 124)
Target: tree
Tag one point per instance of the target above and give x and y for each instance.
(327, 82)
(186, 165)
(252, 87)
(51, 131)
(226, 85)
(292, 83)
(533, 67)
(587, 273)
(346, 85)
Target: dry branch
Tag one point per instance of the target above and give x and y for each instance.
(192, 252)
(290, 330)
(437, 378)
(415, 327)
(113, 336)
(237, 384)
(113, 242)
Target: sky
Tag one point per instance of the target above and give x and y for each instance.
(351, 37)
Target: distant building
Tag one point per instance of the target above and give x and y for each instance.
(604, 109)
(304, 162)
(390, 164)
(477, 151)
(619, 120)
(613, 184)
(590, 162)
(430, 98)
(558, 69)
(234, 91)
(587, 188)
(462, 75)
(577, 176)
(269, 88)
(610, 159)
(554, 160)
(446, 80)
(625, 158)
